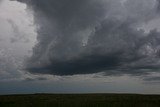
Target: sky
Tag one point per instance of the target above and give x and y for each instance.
(79, 46)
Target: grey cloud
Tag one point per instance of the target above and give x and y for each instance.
(113, 44)
(158, 4)
(35, 79)
(152, 79)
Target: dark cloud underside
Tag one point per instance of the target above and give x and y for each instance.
(91, 36)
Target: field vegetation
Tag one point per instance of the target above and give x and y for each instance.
(80, 100)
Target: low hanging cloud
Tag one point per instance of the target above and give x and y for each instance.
(91, 36)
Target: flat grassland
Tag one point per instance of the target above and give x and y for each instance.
(80, 100)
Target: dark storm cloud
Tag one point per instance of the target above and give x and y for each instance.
(90, 36)
(83, 65)
(158, 4)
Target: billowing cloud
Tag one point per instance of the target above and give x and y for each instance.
(90, 36)
(17, 37)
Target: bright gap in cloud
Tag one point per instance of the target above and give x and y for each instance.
(153, 24)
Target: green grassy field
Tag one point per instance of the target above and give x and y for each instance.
(80, 100)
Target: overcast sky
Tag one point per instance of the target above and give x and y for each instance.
(79, 46)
